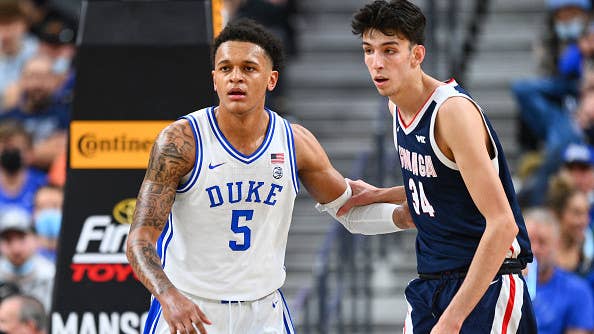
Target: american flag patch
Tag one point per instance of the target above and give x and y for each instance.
(277, 158)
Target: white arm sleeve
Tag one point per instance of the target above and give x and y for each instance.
(369, 219)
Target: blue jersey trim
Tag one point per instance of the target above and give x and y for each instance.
(152, 318)
(170, 223)
(247, 159)
(290, 329)
(198, 158)
(292, 155)
(160, 240)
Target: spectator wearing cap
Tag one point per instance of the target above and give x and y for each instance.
(57, 35)
(563, 301)
(578, 162)
(18, 181)
(44, 117)
(20, 263)
(16, 47)
(22, 314)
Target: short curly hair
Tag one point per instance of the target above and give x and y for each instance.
(246, 30)
(397, 17)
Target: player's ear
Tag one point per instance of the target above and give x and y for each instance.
(214, 83)
(272, 80)
(418, 54)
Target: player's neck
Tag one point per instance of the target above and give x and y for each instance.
(245, 131)
(411, 98)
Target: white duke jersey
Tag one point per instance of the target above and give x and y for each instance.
(226, 236)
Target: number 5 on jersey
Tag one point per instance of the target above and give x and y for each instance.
(420, 201)
(247, 233)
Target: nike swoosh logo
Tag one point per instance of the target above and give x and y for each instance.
(211, 166)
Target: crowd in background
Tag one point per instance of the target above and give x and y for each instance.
(37, 76)
(37, 55)
(557, 168)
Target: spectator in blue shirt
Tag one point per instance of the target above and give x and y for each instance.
(44, 117)
(547, 104)
(563, 303)
(18, 182)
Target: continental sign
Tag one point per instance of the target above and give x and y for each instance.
(112, 144)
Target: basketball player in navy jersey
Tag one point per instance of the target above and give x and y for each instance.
(212, 216)
(471, 243)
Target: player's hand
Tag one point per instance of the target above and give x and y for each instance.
(363, 194)
(182, 315)
(407, 221)
(444, 326)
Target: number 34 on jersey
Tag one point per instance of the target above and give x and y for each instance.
(420, 202)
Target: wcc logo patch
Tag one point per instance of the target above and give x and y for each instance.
(277, 172)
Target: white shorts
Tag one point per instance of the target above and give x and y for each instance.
(267, 315)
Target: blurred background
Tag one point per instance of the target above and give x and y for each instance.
(528, 63)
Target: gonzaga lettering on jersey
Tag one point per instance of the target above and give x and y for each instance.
(227, 233)
(448, 222)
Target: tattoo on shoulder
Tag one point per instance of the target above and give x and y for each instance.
(173, 153)
(172, 157)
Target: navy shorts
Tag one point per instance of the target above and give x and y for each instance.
(505, 308)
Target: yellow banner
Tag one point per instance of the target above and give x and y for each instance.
(112, 144)
(217, 17)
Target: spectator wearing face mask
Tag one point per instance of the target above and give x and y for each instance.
(547, 104)
(48, 218)
(44, 117)
(18, 181)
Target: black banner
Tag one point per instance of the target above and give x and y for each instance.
(140, 64)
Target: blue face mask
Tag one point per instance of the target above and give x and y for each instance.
(570, 30)
(61, 65)
(47, 223)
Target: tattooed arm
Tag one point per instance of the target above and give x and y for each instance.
(171, 158)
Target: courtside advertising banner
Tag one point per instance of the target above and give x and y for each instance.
(140, 65)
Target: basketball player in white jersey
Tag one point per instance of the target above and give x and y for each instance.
(212, 217)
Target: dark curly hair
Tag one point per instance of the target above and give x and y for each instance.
(397, 17)
(246, 30)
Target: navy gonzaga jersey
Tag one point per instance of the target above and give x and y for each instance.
(449, 224)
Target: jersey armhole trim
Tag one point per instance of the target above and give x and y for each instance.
(164, 239)
(445, 160)
(198, 157)
(292, 156)
(395, 131)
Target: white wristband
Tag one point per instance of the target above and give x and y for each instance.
(369, 219)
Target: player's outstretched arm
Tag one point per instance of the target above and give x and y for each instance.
(462, 136)
(327, 186)
(365, 193)
(171, 158)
